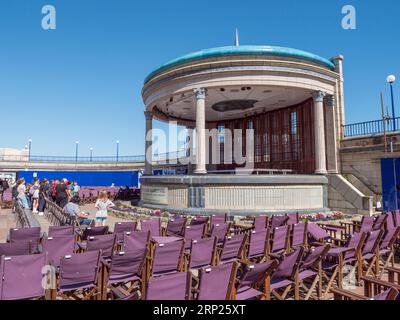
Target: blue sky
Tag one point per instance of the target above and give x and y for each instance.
(83, 80)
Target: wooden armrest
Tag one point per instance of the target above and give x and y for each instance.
(393, 269)
(347, 294)
(371, 280)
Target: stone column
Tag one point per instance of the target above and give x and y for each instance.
(148, 171)
(200, 94)
(190, 153)
(319, 133)
(330, 133)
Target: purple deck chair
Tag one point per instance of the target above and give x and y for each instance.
(380, 222)
(391, 220)
(80, 271)
(310, 270)
(18, 248)
(94, 231)
(21, 277)
(397, 218)
(233, 248)
(366, 224)
(283, 279)
(219, 218)
(299, 235)
(258, 244)
(199, 220)
(105, 243)
(253, 279)
(193, 232)
(121, 228)
(260, 223)
(167, 258)
(124, 267)
(280, 240)
(293, 218)
(58, 247)
(202, 253)
(278, 220)
(386, 251)
(175, 286)
(175, 227)
(57, 231)
(348, 254)
(369, 252)
(220, 230)
(317, 233)
(152, 225)
(136, 240)
(217, 283)
(25, 234)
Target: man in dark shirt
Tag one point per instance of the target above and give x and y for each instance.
(62, 194)
(43, 194)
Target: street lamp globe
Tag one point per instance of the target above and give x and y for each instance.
(391, 78)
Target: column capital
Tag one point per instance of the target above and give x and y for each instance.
(200, 93)
(148, 115)
(330, 100)
(319, 96)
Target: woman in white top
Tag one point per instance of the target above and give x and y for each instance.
(21, 189)
(102, 205)
(35, 196)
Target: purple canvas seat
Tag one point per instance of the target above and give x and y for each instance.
(25, 234)
(380, 222)
(57, 231)
(94, 231)
(310, 271)
(338, 257)
(397, 217)
(121, 228)
(280, 240)
(233, 248)
(202, 253)
(167, 258)
(366, 224)
(316, 232)
(369, 252)
(390, 220)
(18, 248)
(21, 277)
(258, 244)
(175, 286)
(77, 272)
(175, 227)
(299, 235)
(293, 218)
(220, 230)
(199, 220)
(283, 279)
(260, 223)
(152, 225)
(278, 221)
(124, 267)
(58, 247)
(193, 232)
(136, 240)
(105, 243)
(386, 252)
(217, 283)
(253, 280)
(219, 218)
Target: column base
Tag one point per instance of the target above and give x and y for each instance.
(324, 172)
(200, 171)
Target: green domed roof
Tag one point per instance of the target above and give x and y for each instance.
(243, 50)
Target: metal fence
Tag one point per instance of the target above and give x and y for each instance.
(371, 127)
(24, 217)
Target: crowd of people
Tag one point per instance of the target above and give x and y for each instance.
(65, 194)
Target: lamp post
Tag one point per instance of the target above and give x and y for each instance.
(91, 154)
(29, 149)
(391, 79)
(117, 150)
(76, 150)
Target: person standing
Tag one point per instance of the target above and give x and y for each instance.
(35, 195)
(21, 197)
(75, 189)
(62, 194)
(44, 193)
(102, 205)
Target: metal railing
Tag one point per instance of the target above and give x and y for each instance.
(371, 127)
(56, 216)
(24, 217)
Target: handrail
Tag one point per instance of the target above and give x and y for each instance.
(371, 127)
(25, 218)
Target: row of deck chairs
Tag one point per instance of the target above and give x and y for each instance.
(90, 194)
(7, 199)
(204, 258)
